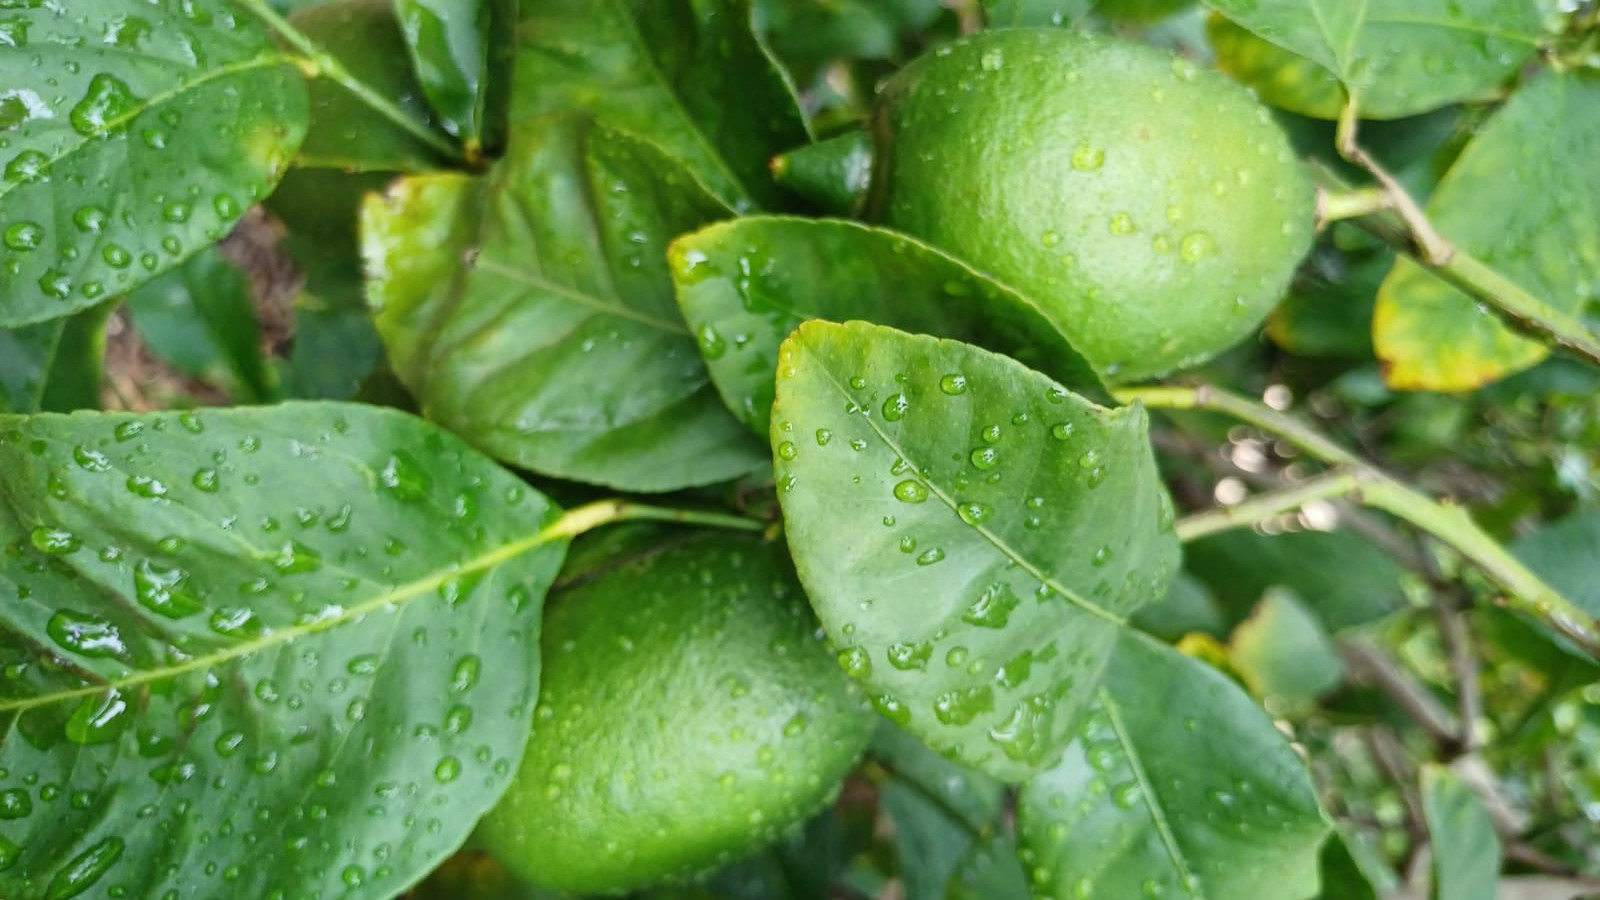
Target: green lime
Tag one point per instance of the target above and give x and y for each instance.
(688, 714)
(1152, 209)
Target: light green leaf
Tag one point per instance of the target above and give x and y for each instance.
(200, 318)
(1466, 850)
(689, 76)
(1524, 199)
(1279, 77)
(971, 534)
(134, 136)
(1400, 57)
(1178, 786)
(54, 366)
(461, 50)
(1284, 655)
(557, 345)
(309, 633)
(744, 285)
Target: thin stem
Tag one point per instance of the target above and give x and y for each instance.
(1435, 249)
(1524, 591)
(584, 518)
(1206, 397)
(1336, 206)
(1261, 507)
(1372, 665)
(324, 65)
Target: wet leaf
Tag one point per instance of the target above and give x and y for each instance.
(557, 346)
(1178, 785)
(971, 534)
(688, 76)
(53, 366)
(1400, 57)
(1279, 77)
(258, 653)
(1466, 850)
(135, 134)
(745, 285)
(461, 50)
(1523, 199)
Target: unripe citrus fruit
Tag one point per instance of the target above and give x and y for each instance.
(687, 714)
(1152, 209)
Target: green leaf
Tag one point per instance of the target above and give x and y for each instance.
(969, 796)
(1523, 199)
(1178, 786)
(557, 347)
(833, 174)
(990, 871)
(461, 50)
(269, 627)
(1187, 608)
(336, 347)
(1281, 78)
(745, 285)
(1328, 311)
(123, 155)
(971, 535)
(1342, 876)
(1343, 580)
(1015, 13)
(1466, 850)
(54, 366)
(1563, 554)
(689, 76)
(1284, 655)
(1400, 57)
(200, 318)
(806, 34)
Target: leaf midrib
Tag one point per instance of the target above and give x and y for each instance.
(155, 100)
(396, 596)
(1158, 815)
(994, 540)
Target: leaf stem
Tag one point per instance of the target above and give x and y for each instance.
(323, 65)
(1524, 591)
(1336, 206)
(584, 518)
(1338, 483)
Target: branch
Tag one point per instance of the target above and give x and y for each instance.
(1524, 591)
(584, 518)
(1261, 507)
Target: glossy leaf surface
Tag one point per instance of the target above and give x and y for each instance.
(1400, 57)
(1523, 199)
(532, 312)
(278, 653)
(745, 285)
(1178, 786)
(135, 134)
(461, 49)
(971, 534)
(688, 76)
(53, 366)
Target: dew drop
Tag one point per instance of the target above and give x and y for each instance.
(910, 491)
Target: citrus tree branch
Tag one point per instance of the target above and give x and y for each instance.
(321, 64)
(1401, 223)
(584, 518)
(1338, 483)
(1523, 591)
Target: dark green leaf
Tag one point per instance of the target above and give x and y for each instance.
(832, 174)
(1284, 655)
(461, 50)
(929, 843)
(744, 285)
(557, 346)
(1342, 877)
(200, 318)
(1400, 57)
(271, 653)
(1012, 13)
(808, 33)
(1523, 199)
(1343, 580)
(689, 76)
(1179, 786)
(1466, 850)
(53, 366)
(336, 347)
(123, 153)
(971, 534)
(1188, 607)
(971, 797)
(991, 871)
(1328, 311)
(1564, 554)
